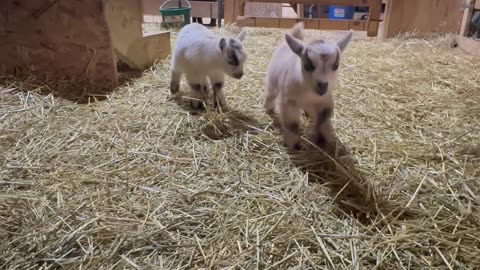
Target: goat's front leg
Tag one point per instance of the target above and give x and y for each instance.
(290, 119)
(323, 127)
(175, 81)
(199, 91)
(218, 81)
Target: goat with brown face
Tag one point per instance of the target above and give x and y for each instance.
(301, 77)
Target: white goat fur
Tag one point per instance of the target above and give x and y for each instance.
(205, 59)
(301, 77)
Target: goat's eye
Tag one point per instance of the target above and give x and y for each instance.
(335, 67)
(308, 65)
(233, 59)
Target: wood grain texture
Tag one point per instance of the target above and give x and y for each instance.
(323, 24)
(124, 19)
(425, 16)
(68, 39)
(263, 10)
(467, 17)
(229, 11)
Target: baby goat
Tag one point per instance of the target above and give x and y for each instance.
(301, 77)
(206, 58)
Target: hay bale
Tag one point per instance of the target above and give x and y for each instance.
(136, 181)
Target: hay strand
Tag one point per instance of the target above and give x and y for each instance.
(136, 180)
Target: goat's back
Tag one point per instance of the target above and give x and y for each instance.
(282, 67)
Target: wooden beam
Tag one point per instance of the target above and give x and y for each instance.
(240, 7)
(358, 25)
(248, 21)
(326, 24)
(467, 17)
(267, 22)
(229, 8)
(322, 24)
(301, 10)
(375, 9)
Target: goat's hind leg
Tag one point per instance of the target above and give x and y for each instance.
(290, 118)
(269, 102)
(199, 91)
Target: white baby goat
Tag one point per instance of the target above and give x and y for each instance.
(205, 59)
(301, 77)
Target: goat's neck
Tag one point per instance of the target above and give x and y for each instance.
(214, 51)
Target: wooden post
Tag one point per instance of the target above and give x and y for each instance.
(229, 11)
(467, 17)
(240, 8)
(300, 11)
(375, 9)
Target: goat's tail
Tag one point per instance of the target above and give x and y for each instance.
(297, 31)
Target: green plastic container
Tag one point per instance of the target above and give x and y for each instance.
(175, 16)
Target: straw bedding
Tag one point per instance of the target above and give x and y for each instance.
(137, 182)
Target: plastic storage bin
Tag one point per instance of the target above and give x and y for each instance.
(340, 12)
(172, 16)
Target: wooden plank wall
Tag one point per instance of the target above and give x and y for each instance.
(199, 9)
(263, 10)
(422, 16)
(371, 25)
(210, 9)
(63, 39)
(231, 8)
(323, 24)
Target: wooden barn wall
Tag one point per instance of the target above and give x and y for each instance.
(423, 16)
(60, 38)
(151, 7)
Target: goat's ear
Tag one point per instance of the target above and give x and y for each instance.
(343, 42)
(295, 45)
(241, 35)
(222, 44)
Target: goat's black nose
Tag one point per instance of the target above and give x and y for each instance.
(321, 88)
(238, 75)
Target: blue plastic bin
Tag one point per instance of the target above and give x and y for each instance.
(340, 12)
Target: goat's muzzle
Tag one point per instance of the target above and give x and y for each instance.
(238, 75)
(321, 88)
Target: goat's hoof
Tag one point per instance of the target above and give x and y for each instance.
(196, 105)
(320, 141)
(270, 112)
(294, 147)
(343, 150)
(297, 146)
(174, 88)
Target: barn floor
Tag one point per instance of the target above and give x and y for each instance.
(136, 182)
